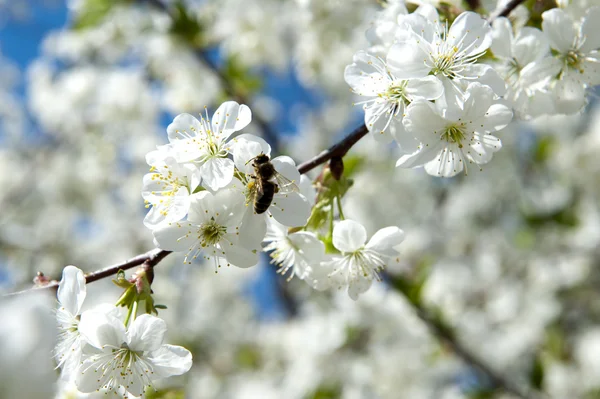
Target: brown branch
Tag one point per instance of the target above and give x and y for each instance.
(156, 255)
(444, 333)
(149, 258)
(504, 11)
(337, 150)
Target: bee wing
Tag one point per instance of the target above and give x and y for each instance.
(259, 187)
(285, 185)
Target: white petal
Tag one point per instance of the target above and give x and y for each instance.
(422, 120)
(378, 119)
(184, 126)
(502, 37)
(101, 329)
(287, 167)
(478, 100)
(170, 360)
(486, 75)
(419, 157)
(448, 162)
(307, 188)
(90, 377)
(405, 61)
(349, 236)
(496, 118)
(429, 88)
(246, 147)
(309, 248)
(240, 256)
(146, 333)
(386, 240)
(252, 229)
(358, 286)
(471, 31)
(589, 30)
(179, 236)
(558, 26)
(481, 149)
(421, 25)
(230, 117)
(291, 209)
(217, 173)
(72, 290)
(570, 96)
(176, 207)
(366, 75)
(530, 45)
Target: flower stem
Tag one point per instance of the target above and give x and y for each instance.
(338, 199)
(131, 310)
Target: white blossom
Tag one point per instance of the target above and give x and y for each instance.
(127, 358)
(449, 54)
(360, 261)
(387, 95)
(445, 144)
(71, 294)
(205, 143)
(527, 67)
(211, 229)
(577, 45)
(289, 207)
(298, 251)
(167, 188)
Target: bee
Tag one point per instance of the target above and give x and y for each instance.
(267, 182)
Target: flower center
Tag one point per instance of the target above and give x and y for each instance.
(445, 62)
(214, 150)
(454, 134)
(574, 59)
(368, 263)
(211, 233)
(396, 92)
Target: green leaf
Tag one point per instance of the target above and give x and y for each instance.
(249, 357)
(536, 374)
(326, 392)
(165, 394)
(243, 82)
(93, 13)
(186, 26)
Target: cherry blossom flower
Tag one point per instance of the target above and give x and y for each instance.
(527, 67)
(205, 143)
(387, 95)
(449, 54)
(577, 46)
(298, 251)
(288, 206)
(445, 144)
(211, 228)
(132, 358)
(71, 294)
(167, 188)
(360, 261)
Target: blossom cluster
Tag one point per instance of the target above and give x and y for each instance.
(208, 199)
(98, 351)
(430, 85)
(202, 187)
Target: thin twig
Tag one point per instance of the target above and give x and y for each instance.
(150, 258)
(504, 11)
(337, 150)
(444, 333)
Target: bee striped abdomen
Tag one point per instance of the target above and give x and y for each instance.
(262, 202)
